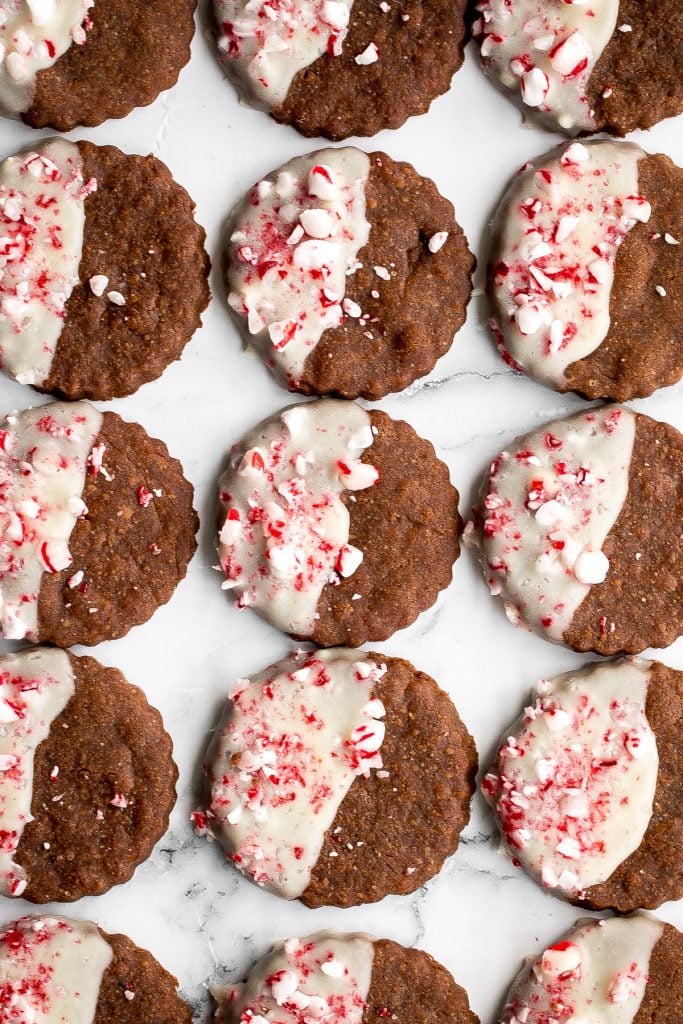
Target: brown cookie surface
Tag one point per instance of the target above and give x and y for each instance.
(106, 742)
(408, 986)
(132, 52)
(400, 828)
(663, 999)
(155, 998)
(132, 557)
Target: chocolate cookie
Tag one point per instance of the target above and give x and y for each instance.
(584, 68)
(341, 68)
(578, 531)
(57, 969)
(347, 979)
(338, 525)
(623, 969)
(586, 785)
(72, 62)
(97, 525)
(348, 273)
(585, 273)
(105, 273)
(338, 777)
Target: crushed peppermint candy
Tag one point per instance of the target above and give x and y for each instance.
(370, 55)
(437, 241)
(98, 284)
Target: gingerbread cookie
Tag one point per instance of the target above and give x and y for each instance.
(623, 970)
(578, 531)
(338, 777)
(105, 271)
(338, 525)
(586, 785)
(580, 68)
(348, 273)
(345, 979)
(97, 525)
(585, 272)
(341, 67)
(65, 63)
(55, 969)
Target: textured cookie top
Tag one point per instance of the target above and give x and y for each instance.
(573, 783)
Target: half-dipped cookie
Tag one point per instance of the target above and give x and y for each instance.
(606, 66)
(622, 970)
(585, 275)
(96, 525)
(341, 67)
(104, 269)
(586, 785)
(338, 777)
(348, 273)
(578, 531)
(65, 63)
(88, 779)
(344, 979)
(55, 969)
(338, 525)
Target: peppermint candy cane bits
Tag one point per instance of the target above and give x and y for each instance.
(103, 269)
(65, 63)
(338, 68)
(578, 531)
(338, 777)
(56, 969)
(584, 67)
(344, 979)
(96, 529)
(338, 525)
(584, 280)
(348, 273)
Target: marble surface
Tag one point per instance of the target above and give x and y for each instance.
(480, 915)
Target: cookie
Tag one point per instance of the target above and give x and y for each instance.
(97, 525)
(583, 68)
(338, 777)
(341, 68)
(56, 969)
(622, 970)
(348, 273)
(65, 63)
(586, 785)
(105, 274)
(578, 531)
(346, 979)
(584, 281)
(338, 525)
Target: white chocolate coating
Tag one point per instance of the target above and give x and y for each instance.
(556, 237)
(43, 463)
(285, 528)
(573, 783)
(42, 218)
(294, 241)
(553, 497)
(292, 741)
(545, 51)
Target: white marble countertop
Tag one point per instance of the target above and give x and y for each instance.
(480, 916)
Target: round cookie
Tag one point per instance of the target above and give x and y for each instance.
(338, 525)
(338, 777)
(348, 273)
(92, 778)
(582, 68)
(97, 525)
(584, 281)
(577, 531)
(105, 275)
(347, 979)
(623, 970)
(586, 785)
(66, 63)
(342, 67)
(57, 969)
